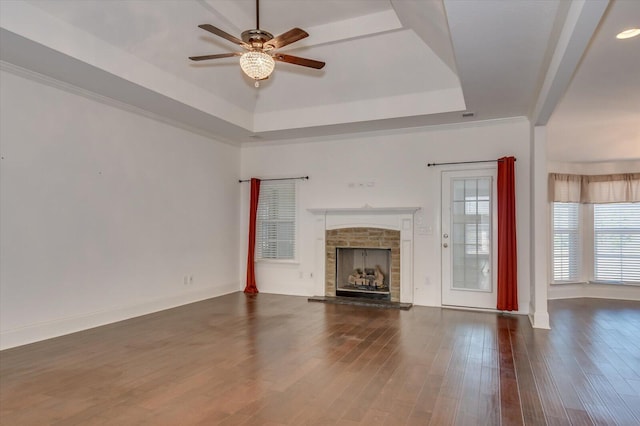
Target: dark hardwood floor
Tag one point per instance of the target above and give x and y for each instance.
(274, 360)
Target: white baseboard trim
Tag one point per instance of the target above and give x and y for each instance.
(491, 311)
(286, 293)
(60, 327)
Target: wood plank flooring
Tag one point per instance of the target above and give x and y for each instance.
(279, 360)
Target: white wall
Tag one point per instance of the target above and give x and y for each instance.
(598, 291)
(104, 211)
(396, 162)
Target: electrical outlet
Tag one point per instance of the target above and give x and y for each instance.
(185, 280)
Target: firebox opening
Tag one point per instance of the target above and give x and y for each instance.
(363, 272)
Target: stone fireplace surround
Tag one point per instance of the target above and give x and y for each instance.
(372, 221)
(362, 238)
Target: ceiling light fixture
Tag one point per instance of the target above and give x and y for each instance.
(259, 60)
(257, 65)
(631, 32)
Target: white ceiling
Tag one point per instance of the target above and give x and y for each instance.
(390, 64)
(598, 119)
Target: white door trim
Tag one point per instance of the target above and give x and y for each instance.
(458, 297)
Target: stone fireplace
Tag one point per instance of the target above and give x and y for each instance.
(356, 255)
(365, 252)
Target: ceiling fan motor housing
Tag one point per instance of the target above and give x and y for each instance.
(256, 38)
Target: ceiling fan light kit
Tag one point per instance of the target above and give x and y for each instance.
(259, 61)
(257, 65)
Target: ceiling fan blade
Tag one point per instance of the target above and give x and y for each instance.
(296, 60)
(287, 38)
(221, 55)
(223, 34)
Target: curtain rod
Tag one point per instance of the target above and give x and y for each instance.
(464, 162)
(291, 178)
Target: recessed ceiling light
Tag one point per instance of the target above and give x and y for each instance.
(631, 32)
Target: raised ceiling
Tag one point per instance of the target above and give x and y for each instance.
(598, 119)
(390, 64)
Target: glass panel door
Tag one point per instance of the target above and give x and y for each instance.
(468, 232)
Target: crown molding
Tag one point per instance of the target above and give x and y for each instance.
(75, 90)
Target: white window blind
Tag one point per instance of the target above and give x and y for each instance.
(566, 242)
(617, 242)
(276, 220)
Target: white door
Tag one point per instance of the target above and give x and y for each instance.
(469, 233)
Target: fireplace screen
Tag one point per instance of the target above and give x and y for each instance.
(362, 272)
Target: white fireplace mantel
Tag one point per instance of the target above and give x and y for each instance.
(366, 210)
(398, 218)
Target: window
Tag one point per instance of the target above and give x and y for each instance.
(616, 244)
(566, 242)
(603, 248)
(276, 220)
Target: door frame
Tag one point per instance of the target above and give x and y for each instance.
(478, 170)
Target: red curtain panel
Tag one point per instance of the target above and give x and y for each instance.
(251, 287)
(507, 251)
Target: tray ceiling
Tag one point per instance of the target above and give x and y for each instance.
(390, 64)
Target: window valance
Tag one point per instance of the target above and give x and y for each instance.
(587, 189)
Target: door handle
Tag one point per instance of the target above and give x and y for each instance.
(445, 245)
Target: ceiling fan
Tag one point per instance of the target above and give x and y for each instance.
(259, 59)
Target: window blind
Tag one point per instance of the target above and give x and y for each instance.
(566, 242)
(276, 220)
(617, 242)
